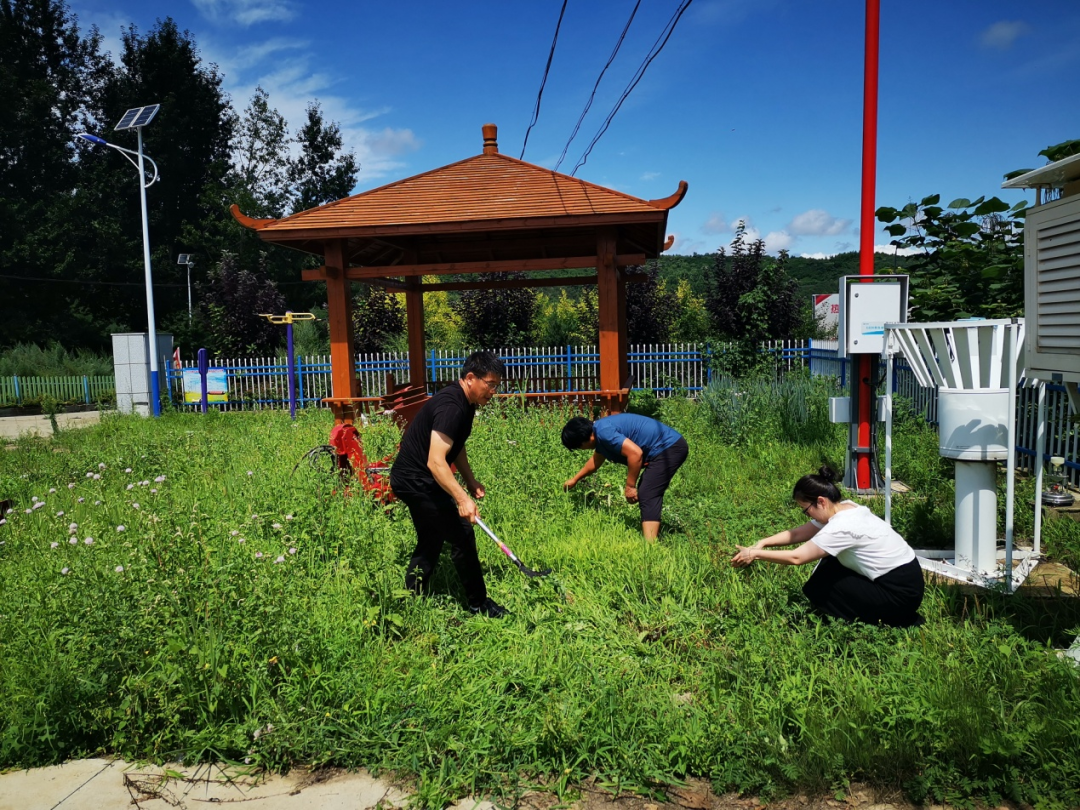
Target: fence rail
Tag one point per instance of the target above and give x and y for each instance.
(84, 389)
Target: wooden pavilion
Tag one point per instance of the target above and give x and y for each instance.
(486, 214)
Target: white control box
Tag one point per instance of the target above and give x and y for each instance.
(867, 303)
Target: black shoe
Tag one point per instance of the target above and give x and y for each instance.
(490, 608)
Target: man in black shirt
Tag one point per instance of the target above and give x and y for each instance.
(441, 509)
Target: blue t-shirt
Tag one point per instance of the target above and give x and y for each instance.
(651, 436)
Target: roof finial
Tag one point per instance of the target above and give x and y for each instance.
(491, 133)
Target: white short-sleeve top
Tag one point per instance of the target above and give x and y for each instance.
(862, 541)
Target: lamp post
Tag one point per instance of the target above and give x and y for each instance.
(136, 118)
(185, 259)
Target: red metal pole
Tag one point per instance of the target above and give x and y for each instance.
(865, 365)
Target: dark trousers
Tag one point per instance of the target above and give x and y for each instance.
(892, 599)
(437, 521)
(656, 478)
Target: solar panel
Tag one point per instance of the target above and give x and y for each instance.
(138, 117)
(147, 113)
(129, 117)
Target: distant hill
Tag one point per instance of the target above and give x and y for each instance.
(814, 275)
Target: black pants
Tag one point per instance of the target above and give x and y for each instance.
(892, 598)
(656, 478)
(437, 521)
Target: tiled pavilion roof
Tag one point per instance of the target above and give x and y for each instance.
(490, 196)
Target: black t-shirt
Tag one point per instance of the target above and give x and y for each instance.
(449, 413)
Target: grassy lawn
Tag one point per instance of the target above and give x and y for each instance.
(209, 604)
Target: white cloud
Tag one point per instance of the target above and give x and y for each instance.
(282, 67)
(246, 12)
(775, 241)
(716, 223)
(818, 255)
(818, 222)
(1002, 35)
(890, 249)
(109, 24)
(650, 175)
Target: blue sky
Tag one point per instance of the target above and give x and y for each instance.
(757, 104)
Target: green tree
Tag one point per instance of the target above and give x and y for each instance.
(322, 172)
(48, 71)
(261, 158)
(378, 319)
(651, 310)
(752, 299)
(232, 300)
(970, 260)
(492, 319)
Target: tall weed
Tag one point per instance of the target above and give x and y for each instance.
(247, 613)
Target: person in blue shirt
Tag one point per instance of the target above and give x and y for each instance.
(638, 442)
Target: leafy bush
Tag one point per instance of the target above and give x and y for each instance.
(794, 408)
(29, 360)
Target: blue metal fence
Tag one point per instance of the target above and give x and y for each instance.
(256, 383)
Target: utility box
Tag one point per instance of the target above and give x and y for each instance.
(131, 365)
(867, 303)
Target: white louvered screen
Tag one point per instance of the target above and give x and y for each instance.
(1052, 288)
(1058, 285)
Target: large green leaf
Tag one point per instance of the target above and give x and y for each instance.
(966, 229)
(960, 202)
(896, 230)
(933, 199)
(992, 206)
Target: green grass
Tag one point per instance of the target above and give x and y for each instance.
(635, 663)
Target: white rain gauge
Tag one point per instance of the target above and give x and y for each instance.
(976, 366)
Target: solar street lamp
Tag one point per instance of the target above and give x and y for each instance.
(185, 259)
(136, 118)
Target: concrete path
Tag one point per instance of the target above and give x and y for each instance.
(101, 784)
(12, 427)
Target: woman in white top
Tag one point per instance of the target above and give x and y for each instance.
(867, 572)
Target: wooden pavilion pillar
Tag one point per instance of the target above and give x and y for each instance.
(339, 314)
(611, 303)
(414, 321)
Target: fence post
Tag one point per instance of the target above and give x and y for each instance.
(18, 394)
(300, 379)
(569, 367)
(86, 389)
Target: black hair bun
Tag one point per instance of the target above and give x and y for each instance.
(828, 473)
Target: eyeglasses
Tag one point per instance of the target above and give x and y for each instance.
(806, 511)
(492, 385)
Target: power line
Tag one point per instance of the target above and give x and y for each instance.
(657, 47)
(90, 281)
(588, 104)
(543, 81)
(121, 283)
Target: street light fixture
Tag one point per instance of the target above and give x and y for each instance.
(185, 259)
(136, 118)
